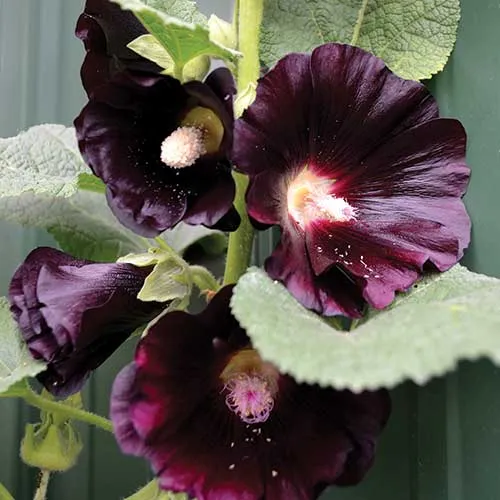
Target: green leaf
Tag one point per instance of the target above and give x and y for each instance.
(168, 281)
(89, 182)
(185, 10)
(16, 362)
(443, 319)
(150, 48)
(153, 492)
(183, 41)
(183, 236)
(414, 38)
(43, 159)
(42, 171)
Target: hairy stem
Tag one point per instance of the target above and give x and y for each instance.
(43, 485)
(66, 411)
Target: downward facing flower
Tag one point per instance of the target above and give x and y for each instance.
(362, 176)
(216, 421)
(73, 314)
(161, 149)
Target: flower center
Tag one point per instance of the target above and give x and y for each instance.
(309, 199)
(182, 147)
(250, 398)
(200, 133)
(250, 386)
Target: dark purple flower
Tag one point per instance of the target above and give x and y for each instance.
(73, 314)
(160, 147)
(363, 178)
(217, 422)
(105, 30)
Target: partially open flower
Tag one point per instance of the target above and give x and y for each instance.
(105, 30)
(363, 177)
(216, 421)
(161, 149)
(73, 314)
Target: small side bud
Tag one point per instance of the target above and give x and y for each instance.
(51, 447)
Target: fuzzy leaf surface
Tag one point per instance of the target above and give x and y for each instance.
(16, 362)
(441, 320)
(414, 38)
(182, 40)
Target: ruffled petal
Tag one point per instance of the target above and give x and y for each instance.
(378, 176)
(120, 133)
(283, 96)
(171, 408)
(333, 293)
(106, 30)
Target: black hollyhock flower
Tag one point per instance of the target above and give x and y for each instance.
(105, 30)
(160, 147)
(217, 422)
(362, 176)
(73, 314)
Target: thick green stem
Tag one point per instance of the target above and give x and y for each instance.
(66, 411)
(239, 249)
(249, 19)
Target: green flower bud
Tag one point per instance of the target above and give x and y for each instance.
(51, 447)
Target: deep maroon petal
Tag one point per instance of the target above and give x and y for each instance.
(357, 104)
(366, 185)
(283, 96)
(106, 30)
(332, 293)
(120, 133)
(170, 407)
(74, 314)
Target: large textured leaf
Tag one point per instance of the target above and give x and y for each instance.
(185, 10)
(183, 41)
(44, 159)
(41, 171)
(414, 38)
(16, 362)
(441, 320)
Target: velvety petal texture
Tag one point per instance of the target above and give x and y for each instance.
(73, 314)
(120, 134)
(105, 30)
(217, 422)
(360, 173)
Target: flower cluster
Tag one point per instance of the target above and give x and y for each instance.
(365, 182)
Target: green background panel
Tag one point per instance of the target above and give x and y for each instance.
(443, 440)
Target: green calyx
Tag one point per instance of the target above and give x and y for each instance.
(172, 278)
(53, 444)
